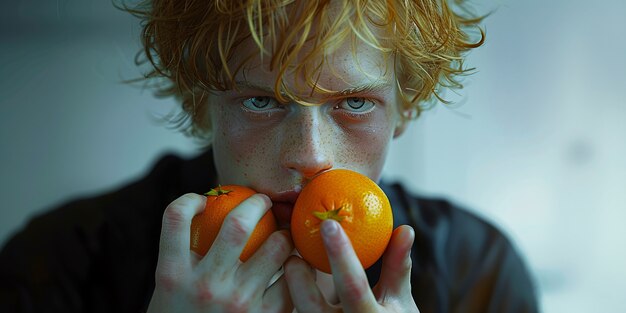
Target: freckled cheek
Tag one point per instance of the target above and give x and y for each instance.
(242, 151)
(367, 147)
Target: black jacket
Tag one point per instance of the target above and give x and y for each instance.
(98, 254)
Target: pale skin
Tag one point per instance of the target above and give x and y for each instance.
(276, 149)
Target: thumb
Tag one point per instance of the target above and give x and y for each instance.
(395, 276)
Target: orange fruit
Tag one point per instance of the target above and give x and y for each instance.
(356, 202)
(220, 201)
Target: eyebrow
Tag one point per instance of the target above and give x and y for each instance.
(375, 87)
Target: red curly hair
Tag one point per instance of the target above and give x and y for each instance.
(189, 44)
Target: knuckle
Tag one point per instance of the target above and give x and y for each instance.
(178, 213)
(315, 303)
(355, 288)
(203, 294)
(407, 265)
(235, 229)
(174, 217)
(278, 247)
(167, 282)
(236, 303)
(169, 275)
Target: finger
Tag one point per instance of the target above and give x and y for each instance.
(276, 298)
(234, 234)
(174, 244)
(348, 274)
(395, 277)
(267, 260)
(305, 294)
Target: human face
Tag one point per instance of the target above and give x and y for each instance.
(277, 148)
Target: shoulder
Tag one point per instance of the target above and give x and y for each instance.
(92, 240)
(461, 256)
(167, 178)
(86, 214)
(440, 218)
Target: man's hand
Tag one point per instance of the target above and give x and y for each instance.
(219, 282)
(391, 294)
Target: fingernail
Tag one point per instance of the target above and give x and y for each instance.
(264, 198)
(329, 227)
(410, 234)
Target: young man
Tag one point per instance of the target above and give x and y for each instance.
(283, 92)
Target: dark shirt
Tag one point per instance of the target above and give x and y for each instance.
(98, 254)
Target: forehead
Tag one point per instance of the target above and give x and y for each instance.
(352, 64)
(318, 67)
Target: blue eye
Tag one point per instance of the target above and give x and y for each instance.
(260, 103)
(357, 105)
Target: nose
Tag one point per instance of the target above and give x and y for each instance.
(308, 146)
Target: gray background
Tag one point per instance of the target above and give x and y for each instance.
(537, 145)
